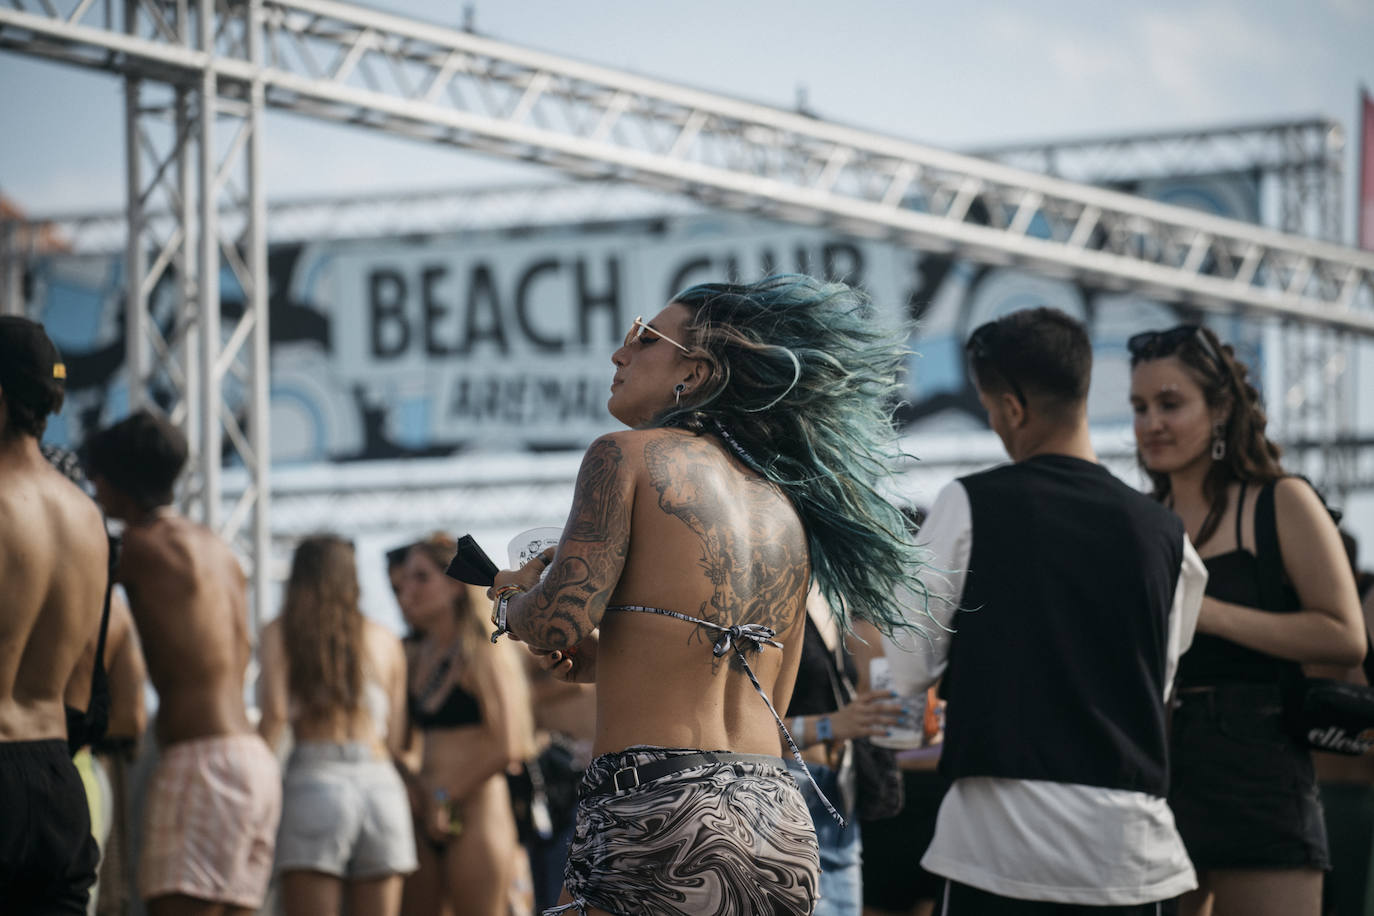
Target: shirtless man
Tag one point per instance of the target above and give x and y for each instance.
(213, 803)
(53, 563)
(757, 433)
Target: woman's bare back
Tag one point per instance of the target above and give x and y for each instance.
(708, 539)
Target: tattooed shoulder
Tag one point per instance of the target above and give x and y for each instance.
(569, 603)
(599, 506)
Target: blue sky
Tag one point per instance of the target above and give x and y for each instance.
(955, 75)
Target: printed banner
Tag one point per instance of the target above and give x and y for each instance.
(388, 348)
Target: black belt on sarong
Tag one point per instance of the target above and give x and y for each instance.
(632, 776)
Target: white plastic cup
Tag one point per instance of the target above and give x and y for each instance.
(527, 545)
(910, 731)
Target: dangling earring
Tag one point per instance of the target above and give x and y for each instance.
(677, 394)
(1218, 442)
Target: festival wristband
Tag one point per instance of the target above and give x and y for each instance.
(503, 596)
(823, 730)
(799, 730)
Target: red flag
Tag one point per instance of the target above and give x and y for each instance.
(1365, 213)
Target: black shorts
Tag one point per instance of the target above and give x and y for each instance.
(47, 854)
(893, 877)
(961, 900)
(1243, 793)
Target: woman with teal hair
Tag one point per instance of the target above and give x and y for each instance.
(759, 437)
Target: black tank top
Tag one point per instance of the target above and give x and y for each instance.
(1238, 576)
(814, 693)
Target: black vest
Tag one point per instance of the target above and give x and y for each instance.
(1056, 669)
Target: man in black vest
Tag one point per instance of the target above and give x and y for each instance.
(1078, 594)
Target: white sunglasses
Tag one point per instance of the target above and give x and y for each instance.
(638, 328)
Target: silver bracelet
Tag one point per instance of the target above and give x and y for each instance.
(501, 628)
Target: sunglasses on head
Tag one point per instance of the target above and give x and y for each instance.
(982, 346)
(1158, 344)
(640, 327)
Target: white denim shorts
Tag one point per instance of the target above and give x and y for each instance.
(344, 813)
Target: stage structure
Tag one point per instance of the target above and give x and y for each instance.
(200, 73)
(1299, 163)
(1303, 159)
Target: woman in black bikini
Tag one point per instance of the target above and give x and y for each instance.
(1242, 791)
(760, 428)
(469, 704)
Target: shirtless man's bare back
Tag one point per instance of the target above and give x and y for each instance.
(53, 563)
(215, 798)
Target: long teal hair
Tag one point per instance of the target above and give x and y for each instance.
(803, 381)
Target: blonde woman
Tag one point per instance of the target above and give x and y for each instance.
(345, 841)
(468, 704)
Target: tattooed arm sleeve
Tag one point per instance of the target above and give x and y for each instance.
(565, 608)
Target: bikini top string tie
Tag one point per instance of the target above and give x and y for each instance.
(735, 637)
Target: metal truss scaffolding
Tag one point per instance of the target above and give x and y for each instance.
(1294, 157)
(196, 218)
(13, 255)
(209, 67)
(1304, 157)
(1316, 407)
(198, 153)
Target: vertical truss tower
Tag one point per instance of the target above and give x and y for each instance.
(195, 219)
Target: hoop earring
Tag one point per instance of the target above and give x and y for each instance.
(1218, 442)
(677, 394)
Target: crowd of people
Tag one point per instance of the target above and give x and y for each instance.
(683, 716)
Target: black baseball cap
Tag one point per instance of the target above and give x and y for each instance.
(30, 363)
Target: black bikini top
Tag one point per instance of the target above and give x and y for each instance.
(458, 708)
(739, 638)
(88, 726)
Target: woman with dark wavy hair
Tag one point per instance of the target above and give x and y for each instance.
(1243, 791)
(345, 840)
(759, 436)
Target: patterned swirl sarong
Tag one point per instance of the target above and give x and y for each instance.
(721, 839)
